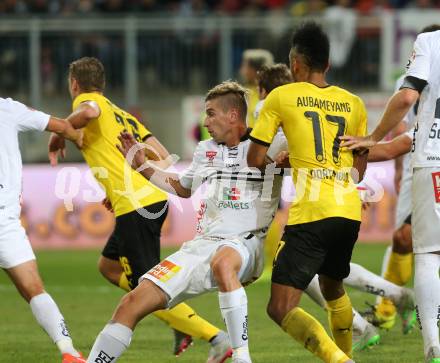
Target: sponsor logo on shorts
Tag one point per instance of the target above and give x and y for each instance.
(231, 199)
(164, 270)
(436, 182)
(103, 357)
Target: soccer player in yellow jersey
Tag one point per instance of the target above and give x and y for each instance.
(252, 62)
(140, 207)
(324, 219)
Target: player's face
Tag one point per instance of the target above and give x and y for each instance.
(247, 73)
(217, 121)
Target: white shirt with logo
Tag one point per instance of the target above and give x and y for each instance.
(237, 200)
(14, 118)
(424, 64)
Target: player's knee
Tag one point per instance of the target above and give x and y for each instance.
(108, 272)
(278, 309)
(222, 270)
(402, 241)
(331, 289)
(31, 289)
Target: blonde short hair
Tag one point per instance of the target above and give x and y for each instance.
(258, 58)
(232, 94)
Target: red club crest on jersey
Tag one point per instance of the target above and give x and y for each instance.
(210, 155)
(436, 182)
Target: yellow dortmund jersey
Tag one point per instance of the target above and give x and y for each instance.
(126, 188)
(312, 119)
(252, 102)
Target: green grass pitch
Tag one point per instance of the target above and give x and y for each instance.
(87, 302)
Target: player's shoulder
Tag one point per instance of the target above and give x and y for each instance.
(340, 92)
(206, 145)
(10, 105)
(428, 37)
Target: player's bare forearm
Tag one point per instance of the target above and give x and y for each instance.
(83, 114)
(397, 108)
(134, 154)
(256, 157)
(64, 129)
(391, 149)
(166, 181)
(157, 153)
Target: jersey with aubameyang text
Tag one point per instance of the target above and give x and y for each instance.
(14, 118)
(424, 65)
(127, 189)
(313, 119)
(236, 199)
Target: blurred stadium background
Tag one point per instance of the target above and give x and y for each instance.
(161, 56)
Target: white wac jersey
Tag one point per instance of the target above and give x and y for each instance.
(424, 65)
(14, 118)
(237, 200)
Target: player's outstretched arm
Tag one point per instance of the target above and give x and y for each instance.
(134, 154)
(400, 145)
(83, 114)
(61, 130)
(397, 108)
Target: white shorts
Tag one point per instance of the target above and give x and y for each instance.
(187, 273)
(426, 210)
(403, 207)
(15, 248)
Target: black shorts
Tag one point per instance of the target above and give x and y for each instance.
(135, 242)
(323, 247)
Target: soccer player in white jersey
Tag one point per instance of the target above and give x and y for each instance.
(16, 255)
(227, 252)
(422, 81)
(398, 260)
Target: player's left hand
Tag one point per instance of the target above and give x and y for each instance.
(56, 147)
(357, 142)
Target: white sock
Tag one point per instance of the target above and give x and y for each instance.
(233, 306)
(427, 289)
(359, 323)
(385, 260)
(364, 280)
(314, 292)
(48, 315)
(113, 340)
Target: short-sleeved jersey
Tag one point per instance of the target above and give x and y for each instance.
(236, 200)
(127, 189)
(313, 119)
(424, 65)
(14, 118)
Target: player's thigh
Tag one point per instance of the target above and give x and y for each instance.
(426, 210)
(186, 273)
(18, 259)
(340, 235)
(139, 244)
(403, 206)
(300, 255)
